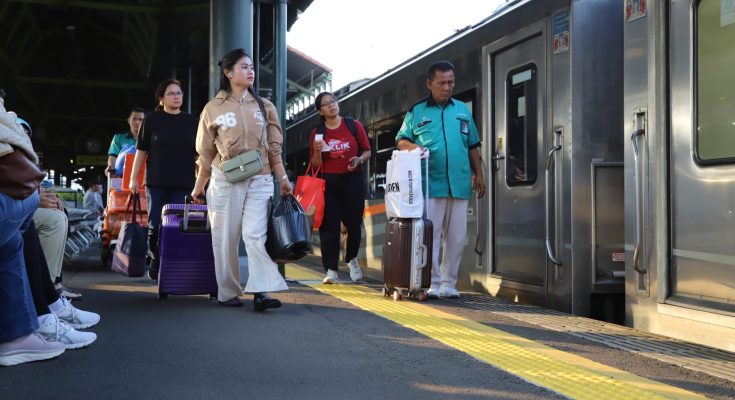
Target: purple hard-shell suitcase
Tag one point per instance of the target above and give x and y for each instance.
(185, 252)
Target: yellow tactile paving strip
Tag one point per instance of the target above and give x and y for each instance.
(561, 372)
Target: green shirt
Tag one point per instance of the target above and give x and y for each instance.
(120, 140)
(449, 133)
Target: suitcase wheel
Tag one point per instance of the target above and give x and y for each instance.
(397, 295)
(422, 296)
(385, 291)
(162, 296)
(212, 296)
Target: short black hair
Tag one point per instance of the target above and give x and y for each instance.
(441, 65)
(136, 110)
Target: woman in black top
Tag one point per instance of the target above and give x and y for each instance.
(166, 143)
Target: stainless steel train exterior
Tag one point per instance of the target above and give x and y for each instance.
(575, 219)
(679, 118)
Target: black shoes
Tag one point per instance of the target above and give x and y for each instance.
(261, 302)
(233, 302)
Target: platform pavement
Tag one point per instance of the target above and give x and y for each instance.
(316, 347)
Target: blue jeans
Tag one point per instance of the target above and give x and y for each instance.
(158, 196)
(17, 312)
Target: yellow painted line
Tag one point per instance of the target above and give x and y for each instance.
(295, 272)
(564, 373)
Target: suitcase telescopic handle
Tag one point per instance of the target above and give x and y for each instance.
(187, 205)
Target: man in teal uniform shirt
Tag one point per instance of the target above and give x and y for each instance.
(135, 120)
(445, 128)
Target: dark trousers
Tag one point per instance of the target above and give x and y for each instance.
(39, 279)
(344, 202)
(158, 196)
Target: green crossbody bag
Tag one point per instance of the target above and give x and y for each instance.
(246, 164)
(242, 166)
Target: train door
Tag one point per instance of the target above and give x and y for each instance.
(702, 165)
(519, 164)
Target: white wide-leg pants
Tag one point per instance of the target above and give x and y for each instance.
(241, 209)
(449, 217)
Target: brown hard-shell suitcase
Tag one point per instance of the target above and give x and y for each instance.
(407, 257)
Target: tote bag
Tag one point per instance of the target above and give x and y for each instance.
(288, 237)
(309, 192)
(403, 194)
(132, 246)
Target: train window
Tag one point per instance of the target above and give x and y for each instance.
(384, 134)
(521, 165)
(715, 80)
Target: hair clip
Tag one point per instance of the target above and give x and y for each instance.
(219, 63)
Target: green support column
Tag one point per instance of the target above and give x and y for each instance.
(279, 73)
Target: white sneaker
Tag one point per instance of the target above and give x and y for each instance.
(355, 272)
(53, 329)
(28, 348)
(75, 317)
(433, 292)
(448, 292)
(331, 277)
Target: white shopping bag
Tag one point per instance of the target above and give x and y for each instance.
(403, 195)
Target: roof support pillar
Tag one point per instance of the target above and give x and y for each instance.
(230, 27)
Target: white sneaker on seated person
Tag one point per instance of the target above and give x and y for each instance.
(53, 329)
(28, 348)
(73, 316)
(433, 292)
(66, 292)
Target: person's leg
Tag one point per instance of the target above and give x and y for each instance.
(454, 236)
(353, 208)
(437, 207)
(17, 312)
(37, 271)
(156, 198)
(263, 272)
(52, 227)
(329, 231)
(225, 204)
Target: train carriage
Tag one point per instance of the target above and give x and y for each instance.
(607, 197)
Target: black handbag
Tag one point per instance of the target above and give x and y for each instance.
(132, 246)
(289, 231)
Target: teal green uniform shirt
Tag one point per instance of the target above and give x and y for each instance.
(449, 133)
(120, 140)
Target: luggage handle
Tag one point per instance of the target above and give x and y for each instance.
(423, 250)
(187, 204)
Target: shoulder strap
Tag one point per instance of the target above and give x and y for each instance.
(351, 126)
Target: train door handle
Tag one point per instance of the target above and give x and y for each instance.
(640, 120)
(496, 158)
(549, 162)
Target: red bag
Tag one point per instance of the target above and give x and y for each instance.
(309, 192)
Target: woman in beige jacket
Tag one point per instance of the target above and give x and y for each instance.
(237, 120)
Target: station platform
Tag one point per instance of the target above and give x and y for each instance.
(348, 341)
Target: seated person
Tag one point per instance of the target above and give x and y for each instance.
(52, 225)
(58, 319)
(93, 198)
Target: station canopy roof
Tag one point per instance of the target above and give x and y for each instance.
(74, 68)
